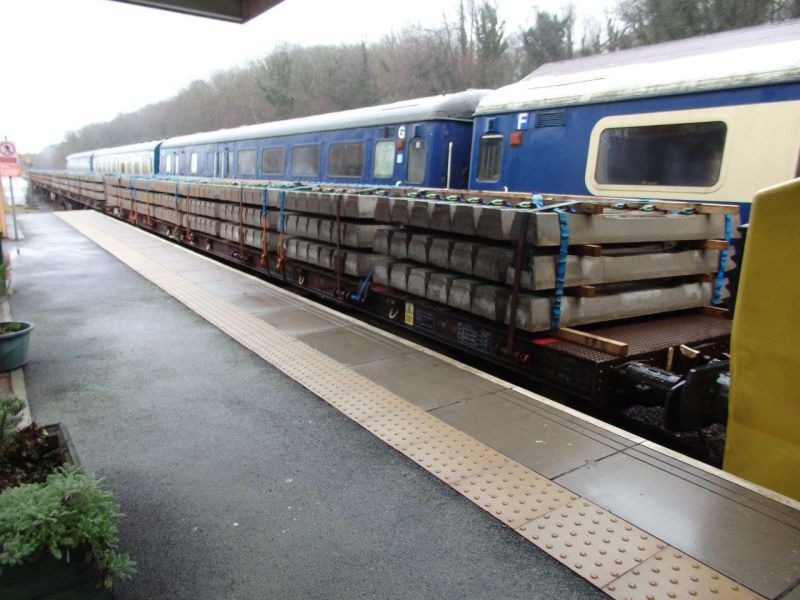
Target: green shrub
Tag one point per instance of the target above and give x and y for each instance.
(10, 417)
(69, 511)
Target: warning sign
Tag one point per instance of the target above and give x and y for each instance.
(8, 153)
(9, 166)
(7, 170)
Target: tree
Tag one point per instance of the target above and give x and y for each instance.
(549, 39)
(277, 82)
(654, 21)
(490, 43)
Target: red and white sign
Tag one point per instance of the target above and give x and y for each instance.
(9, 166)
(8, 153)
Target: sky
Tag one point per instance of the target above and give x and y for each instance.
(68, 63)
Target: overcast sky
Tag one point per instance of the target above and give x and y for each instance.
(67, 63)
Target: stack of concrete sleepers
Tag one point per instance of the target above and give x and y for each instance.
(461, 254)
(621, 260)
(87, 186)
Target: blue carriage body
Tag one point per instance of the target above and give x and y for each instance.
(423, 142)
(710, 119)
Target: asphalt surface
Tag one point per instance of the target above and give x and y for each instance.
(236, 481)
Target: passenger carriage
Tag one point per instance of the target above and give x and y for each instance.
(133, 159)
(423, 142)
(714, 118)
(80, 161)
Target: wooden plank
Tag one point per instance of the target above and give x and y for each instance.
(589, 340)
(588, 250)
(582, 291)
(717, 209)
(715, 245)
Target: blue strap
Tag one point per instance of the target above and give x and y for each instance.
(561, 269)
(263, 203)
(537, 200)
(282, 208)
(362, 288)
(175, 197)
(723, 260)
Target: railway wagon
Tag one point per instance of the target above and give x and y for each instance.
(132, 159)
(80, 162)
(423, 142)
(708, 119)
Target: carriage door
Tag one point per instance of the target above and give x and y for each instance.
(416, 156)
(228, 163)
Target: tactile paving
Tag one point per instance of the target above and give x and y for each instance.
(598, 545)
(670, 575)
(594, 543)
(513, 493)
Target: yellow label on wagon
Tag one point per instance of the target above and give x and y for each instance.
(409, 313)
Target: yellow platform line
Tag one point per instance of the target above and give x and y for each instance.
(622, 560)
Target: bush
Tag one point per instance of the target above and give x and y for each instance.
(10, 417)
(68, 511)
(28, 454)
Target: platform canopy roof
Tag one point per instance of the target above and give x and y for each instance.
(238, 11)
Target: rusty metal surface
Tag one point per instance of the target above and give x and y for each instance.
(650, 335)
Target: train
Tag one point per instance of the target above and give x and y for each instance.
(419, 142)
(677, 131)
(707, 119)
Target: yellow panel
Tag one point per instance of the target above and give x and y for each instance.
(763, 438)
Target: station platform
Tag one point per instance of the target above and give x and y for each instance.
(569, 506)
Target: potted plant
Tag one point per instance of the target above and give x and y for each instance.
(14, 338)
(58, 526)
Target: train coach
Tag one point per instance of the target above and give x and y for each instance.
(708, 119)
(133, 159)
(80, 162)
(423, 142)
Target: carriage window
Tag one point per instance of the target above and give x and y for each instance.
(193, 163)
(209, 163)
(272, 161)
(168, 165)
(246, 162)
(490, 152)
(305, 161)
(686, 155)
(346, 159)
(228, 166)
(416, 161)
(383, 163)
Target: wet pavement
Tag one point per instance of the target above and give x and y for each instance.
(236, 481)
